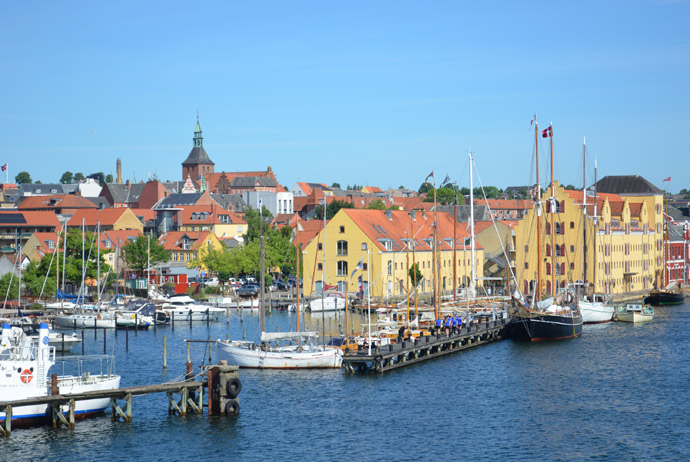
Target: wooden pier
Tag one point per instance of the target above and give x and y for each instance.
(223, 386)
(396, 355)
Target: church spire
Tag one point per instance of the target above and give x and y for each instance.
(198, 139)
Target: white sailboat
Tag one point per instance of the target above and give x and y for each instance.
(595, 309)
(278, 355)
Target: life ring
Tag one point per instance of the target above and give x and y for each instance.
(26, 376)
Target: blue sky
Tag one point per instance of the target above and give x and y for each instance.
(373, 93)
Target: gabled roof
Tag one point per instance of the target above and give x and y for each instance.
(505, 204)
(46, 219)
(65, 201)
(198, 156)
(117, 238)
(627, 184)
(47, 189)
(253, 181)
(44, 248)
(125, 193)
(394, 225)
(173, 240)
(213, 178)
(107, 217)
(233, 202)
(306, 231)
(207, 214)
(179, 200)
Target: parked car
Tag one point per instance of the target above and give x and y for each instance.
(248, 290)
(281, 285)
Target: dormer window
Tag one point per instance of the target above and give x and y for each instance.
(51, 244)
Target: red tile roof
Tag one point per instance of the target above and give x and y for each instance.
(30, 218)
(207, 214)
(172, 240)
(65, 201)
(107, 217)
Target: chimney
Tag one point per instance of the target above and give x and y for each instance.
(118, 169)
(127, 184)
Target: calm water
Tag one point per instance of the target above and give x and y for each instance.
(620, 393)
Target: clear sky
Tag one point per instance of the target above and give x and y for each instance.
(374, 93)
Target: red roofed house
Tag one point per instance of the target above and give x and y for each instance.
(66, 204)
(39, 245)
(186, 246)
(22, 224)
(109, 219)
(223, 223)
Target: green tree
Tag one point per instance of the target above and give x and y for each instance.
(109, 178)
(99, 177)
(414, 274)
(78, 177)
(376, 204)
(67, 177)
(425, 188)
(5, 283)
(335, 185)
(254, 218)
(23, 178)
(143, 251)
(333, 208)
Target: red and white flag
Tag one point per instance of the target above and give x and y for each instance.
(3, 167)
(667, 179)
(546, 132)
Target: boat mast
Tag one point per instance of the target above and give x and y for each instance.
(537, 295)
(584, 217)
(552, 206)
(472, 281)
(298, 251)
(262, 270)
(98, 265)
(596, 229)
(437, 303)
(323, 283)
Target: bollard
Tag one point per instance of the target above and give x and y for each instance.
(210, 347)
(95, 329)
(208, 317)
(165, 353)
(136, 324)
(172, 320)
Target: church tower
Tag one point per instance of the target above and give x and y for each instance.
(198, 164)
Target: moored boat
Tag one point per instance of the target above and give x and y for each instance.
(634, 312)
(595, 310)
(664, 297)
(26, 369)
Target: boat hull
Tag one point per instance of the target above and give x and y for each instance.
(664, 298)
(544, 327)
(77, 321)
(249, 355)
(595, 313)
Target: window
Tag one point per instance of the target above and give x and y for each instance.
(342, 268)
(526, 265)
(548, 228)
(320, 246)
(526, 249)
(341, 248)
(364, 266)
(390, 268)
(364, 246)
(240, 229)
(572, 225)
(319, 266)
(572, 248)
(342, 229)
(51, 244)
(548, 269)
(548, 250)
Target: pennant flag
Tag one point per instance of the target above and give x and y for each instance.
(447, 180)
(4, 167)
(429, 176)
(359, 266)
(546, 132)
(667, 179)
(531, 122)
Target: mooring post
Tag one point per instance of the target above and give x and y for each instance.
(165, 353)
(136, 324)
(190, 371)
(172, 321)
(95, 329)
(126, 338)
(82, 338)
(128, 411)
(189, 357)
(105, 340)
(208, 317)
(63, 342)
(210, 347)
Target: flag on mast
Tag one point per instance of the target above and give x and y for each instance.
(667, 179)
(359, 266)
(3, 167)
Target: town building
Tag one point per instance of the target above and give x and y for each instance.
(187, 246)
(388, 243)
(197, 164)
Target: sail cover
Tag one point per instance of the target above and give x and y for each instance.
(273, 336)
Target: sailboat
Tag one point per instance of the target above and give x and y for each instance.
(554, 318)
(278, 355)
(595, 309)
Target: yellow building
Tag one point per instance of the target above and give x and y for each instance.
(619, 245)
(187, 246)
(379, 240)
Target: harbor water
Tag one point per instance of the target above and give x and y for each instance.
(618, 393)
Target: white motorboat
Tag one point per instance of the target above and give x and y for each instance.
(596, 310)
(140, 314)
(267, 356)
(185, 308)
(25, 374)
(634, 312)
